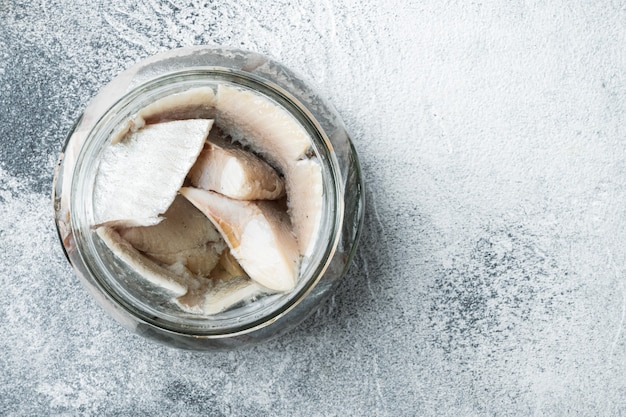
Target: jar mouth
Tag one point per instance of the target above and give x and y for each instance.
(124, 287)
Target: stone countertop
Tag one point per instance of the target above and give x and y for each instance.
(490, 279)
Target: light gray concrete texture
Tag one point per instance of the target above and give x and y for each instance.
(490, 279)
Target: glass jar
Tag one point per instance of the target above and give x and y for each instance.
(127, 297)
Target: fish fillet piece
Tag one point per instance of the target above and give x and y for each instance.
(183, 227)
(195, 103)
(234, 172)
(229, 285)
(139, 177)
(200, 260)
(184, 236)
(229, 265)
(305, 191)
(225, 294)
(176, 283)
(258, 235)
(258, 122)
(217, 296)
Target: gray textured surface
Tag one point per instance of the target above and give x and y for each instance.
(491, 275)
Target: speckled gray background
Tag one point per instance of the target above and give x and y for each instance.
(491, 275)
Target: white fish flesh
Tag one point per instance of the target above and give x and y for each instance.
(176, 283)
(258, 122)
(185, 236)
(304, 182)
(139, 177)
(195, 103)
(227, 293)
(229, 285)
(259, 236)
(234, 172)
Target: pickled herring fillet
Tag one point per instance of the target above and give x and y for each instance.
(256, 121)
(196, 103)
(176, 283)
(139, 177)
(234, 172)
(225, 294)
(185, 236)
(304, 182)
(183, 227)
(228, 285)
(258, 235)
(200, 260)
(214, 297)
(230, 265)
